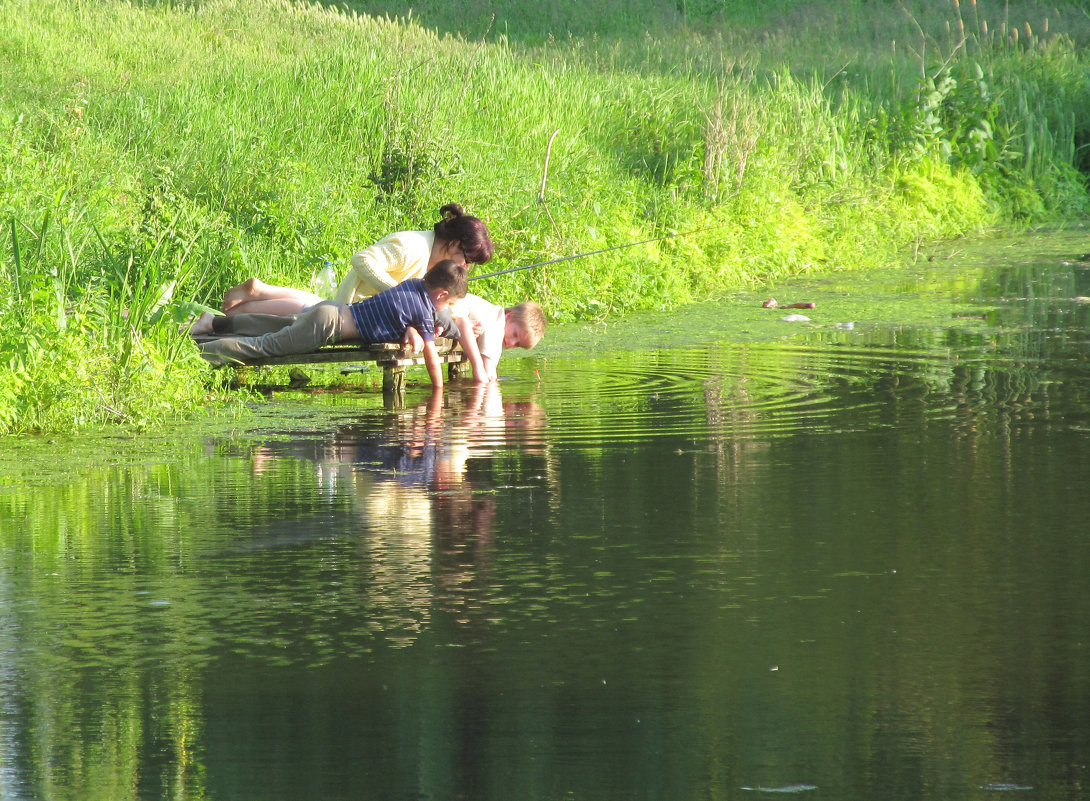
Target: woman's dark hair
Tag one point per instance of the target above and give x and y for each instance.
(469, 232)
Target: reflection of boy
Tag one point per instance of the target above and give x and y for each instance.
(393, 315)
(520, 326)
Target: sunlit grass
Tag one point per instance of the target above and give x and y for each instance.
(156, 154)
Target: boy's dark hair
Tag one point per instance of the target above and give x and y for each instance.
(532, 319)
(448, 275)
(469, 232)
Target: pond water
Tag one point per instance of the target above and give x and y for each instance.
(704, 555)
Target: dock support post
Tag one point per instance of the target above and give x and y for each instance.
(456, 369)
(393, 386)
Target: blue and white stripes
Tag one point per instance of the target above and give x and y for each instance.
(385, 316)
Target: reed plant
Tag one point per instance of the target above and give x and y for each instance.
(87, 339)
(155, 154)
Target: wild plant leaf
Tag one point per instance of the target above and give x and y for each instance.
(181, 310)
(166, 293)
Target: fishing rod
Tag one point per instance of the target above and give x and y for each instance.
(596, 252)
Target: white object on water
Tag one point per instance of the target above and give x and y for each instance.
(324, 282)
(845, 326)
(787, 788)
(1002, 787)
(796, 318)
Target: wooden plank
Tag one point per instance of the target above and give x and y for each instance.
(383, 355)
(341, 356)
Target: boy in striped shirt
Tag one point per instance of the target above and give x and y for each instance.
(393, 315)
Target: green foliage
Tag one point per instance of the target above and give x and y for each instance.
(1019, 141)
(155, 155)
(91, 342)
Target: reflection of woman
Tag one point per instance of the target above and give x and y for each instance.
(393, 259)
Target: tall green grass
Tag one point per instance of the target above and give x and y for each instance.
(87, 338)
(155, 154)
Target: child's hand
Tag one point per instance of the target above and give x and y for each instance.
(413, 340)
(476, 326)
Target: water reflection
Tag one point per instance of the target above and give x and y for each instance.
(849, 564)
(12, 784)
(120, 592)
(827, 382)
(411, 516)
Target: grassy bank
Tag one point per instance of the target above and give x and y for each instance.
(155, 154)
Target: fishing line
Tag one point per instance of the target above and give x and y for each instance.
(596, 252)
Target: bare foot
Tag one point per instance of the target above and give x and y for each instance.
(245, 291)
(202, 325)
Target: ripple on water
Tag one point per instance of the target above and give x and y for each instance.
(762, 390)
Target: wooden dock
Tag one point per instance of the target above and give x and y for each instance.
(393, 358)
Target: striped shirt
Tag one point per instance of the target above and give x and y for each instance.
(385, 316)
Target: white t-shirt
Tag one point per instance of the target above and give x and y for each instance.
(493, 320)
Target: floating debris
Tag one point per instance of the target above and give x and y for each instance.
(796, 318)
(772, 304)
(1004, 787)
(787, 788)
